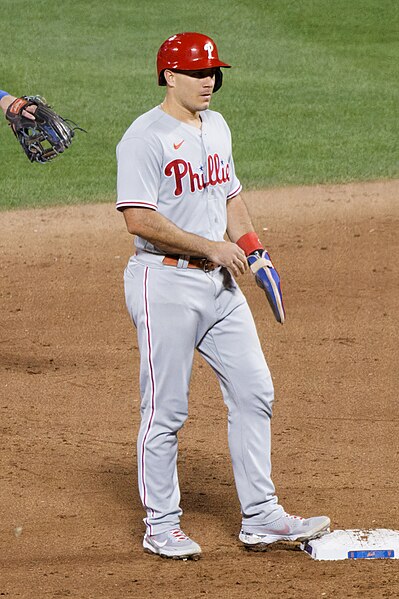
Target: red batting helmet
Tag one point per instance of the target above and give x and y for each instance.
(189, 52)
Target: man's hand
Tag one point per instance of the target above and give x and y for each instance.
(42, 133)
(229, 255)
(169, 238)
(7, 100)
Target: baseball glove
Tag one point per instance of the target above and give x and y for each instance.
(44, 137)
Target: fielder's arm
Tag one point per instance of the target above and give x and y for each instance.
(7, 99)
(169, 238)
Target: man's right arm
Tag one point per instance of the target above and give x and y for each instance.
(165, 235)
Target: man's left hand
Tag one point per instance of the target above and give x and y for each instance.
(6, 101)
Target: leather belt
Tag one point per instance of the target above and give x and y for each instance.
(189, 262)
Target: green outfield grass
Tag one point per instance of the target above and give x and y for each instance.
(313, 96)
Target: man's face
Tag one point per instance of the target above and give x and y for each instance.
(192, 89)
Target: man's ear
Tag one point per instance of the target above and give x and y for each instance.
(169, 77)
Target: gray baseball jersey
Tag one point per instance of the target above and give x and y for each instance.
(188, 175)
(184, 172)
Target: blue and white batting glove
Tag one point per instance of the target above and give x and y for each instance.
(267, 277)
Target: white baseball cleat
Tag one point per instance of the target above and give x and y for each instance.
(286, 528)
(173, 544)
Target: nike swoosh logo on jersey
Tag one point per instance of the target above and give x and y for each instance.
(177, 146)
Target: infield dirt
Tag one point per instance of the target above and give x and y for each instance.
(71, 523)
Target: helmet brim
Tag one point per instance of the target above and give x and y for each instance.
(210, 65)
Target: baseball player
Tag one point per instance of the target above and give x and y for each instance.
(179, 194)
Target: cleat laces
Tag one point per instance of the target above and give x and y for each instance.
(179, 535)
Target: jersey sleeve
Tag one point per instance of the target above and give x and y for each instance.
(235, 185)
(139, 173)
